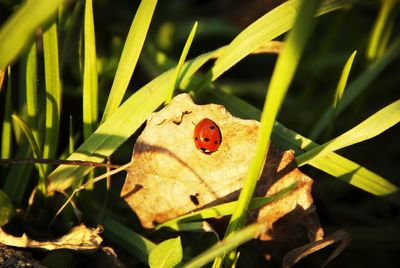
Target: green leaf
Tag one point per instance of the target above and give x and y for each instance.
(182, 59)
(226, 245)
(130, 54)
(167, 254)
(132, 242)
(53, 92)
(358, 86)
(122, 124)
(90, 90)
(369, 128)
(6, 209)
(19, 29)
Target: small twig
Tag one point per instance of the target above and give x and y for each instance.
(56, 162)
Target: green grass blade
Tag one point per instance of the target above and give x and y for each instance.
(90, 89)
(332, 163)
(340, 89)
(343, 79)
(122, 124)
(222, 210)
(369, 128)
(281, 78)
(387, 7)
(6, 133)
(35, 148)
(130, 54)
(31, 91)
(358, 86)
(19, 29)
(53, 92)
(230, 243)
(268, 27)
(182, 60)
(132, 242)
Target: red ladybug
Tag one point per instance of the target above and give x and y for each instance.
(207, 136)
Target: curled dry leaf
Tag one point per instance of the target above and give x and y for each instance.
(294, 256)
(169, 177)
(78, 238)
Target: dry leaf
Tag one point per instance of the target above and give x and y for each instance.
(169, 177)
(294, 256)
(78, 238)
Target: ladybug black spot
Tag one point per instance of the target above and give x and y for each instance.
(215, 142)
(212, 127)
(206, 139)
(195, 139)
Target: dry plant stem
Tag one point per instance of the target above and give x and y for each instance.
(83, 186)
(57, 162)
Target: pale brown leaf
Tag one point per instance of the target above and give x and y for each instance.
(78, 238)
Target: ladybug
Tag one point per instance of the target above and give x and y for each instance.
(207, 136)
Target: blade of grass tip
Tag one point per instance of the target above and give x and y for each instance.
(229, 243)
(35, 148)
(268, 27)
(71, 141)
(6, 134)
(53, 92)
(369, 128)
(182, 59)
(19, 29)
(130, 54)
(387, 7)
(332, 163)
(281, 78)
(358, 85)
(90, 89)
(340, 88)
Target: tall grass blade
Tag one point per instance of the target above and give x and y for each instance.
(6, 133)
(18, 31)
(229, 243)
(375, 41)
(369, 128)
(31, 91)
(90, 89)
(358, 86)
(53, 92)
(182, 60)
(268, 27)
(6, 209)
(130, 54)
(281, 78)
